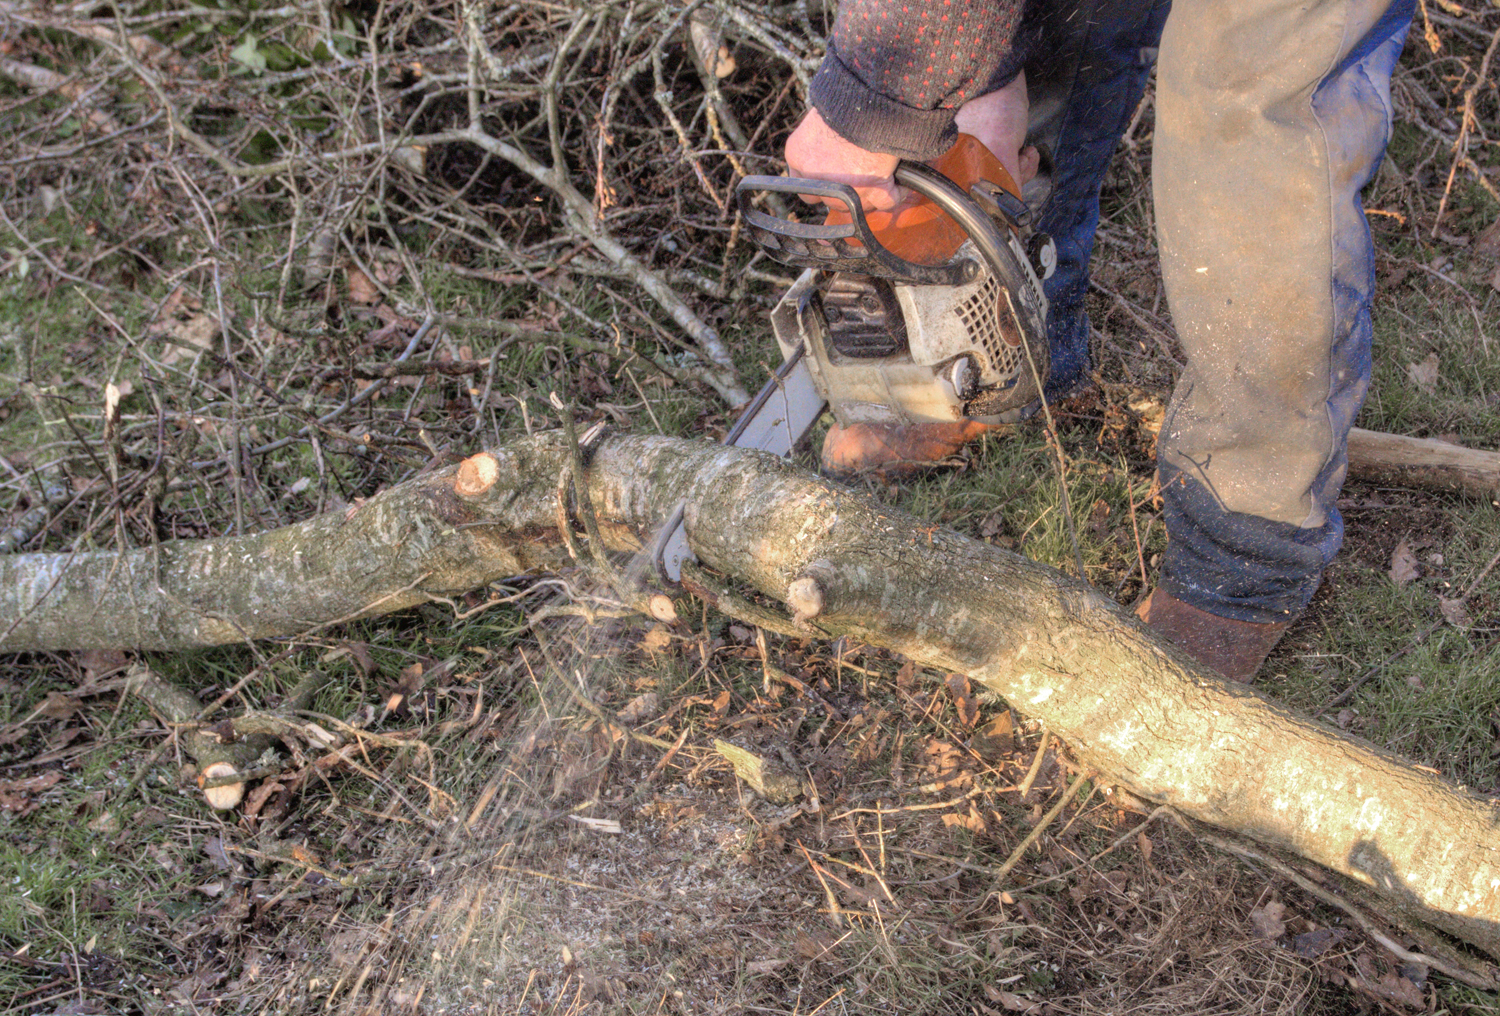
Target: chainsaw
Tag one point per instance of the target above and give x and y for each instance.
(930, 312)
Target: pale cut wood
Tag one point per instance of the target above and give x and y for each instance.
(1422, 462)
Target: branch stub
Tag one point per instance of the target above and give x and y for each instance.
(225, 797)
(476, 475)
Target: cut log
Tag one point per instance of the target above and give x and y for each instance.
(1129, 705)
(1422, 462)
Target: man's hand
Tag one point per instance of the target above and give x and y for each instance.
(998, 119)
(816, 151)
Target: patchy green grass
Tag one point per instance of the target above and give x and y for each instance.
(492, 836)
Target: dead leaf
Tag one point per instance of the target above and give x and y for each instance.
(1011, 1001)
(1425, 374)
(182, 320)
(721, 704)
(1267, 921)
(388, 272)
(657, 639)
(257, 798)
(599, 825)
(60, 746)
(973, 821)
(106, 822)
(412, 679)
(963, 698)
(18, 796)
(814, 946)
(904, 676)
(17, 804)
(361, 289)
(33, 784)
(214, 848)
(56, 706)
(1099, 519)
(641, 708)
(1312, 943)
(1454, 612)
(98, 664)
(1388, 985)
(1404, 567)
(1488, 242)
(997, 739)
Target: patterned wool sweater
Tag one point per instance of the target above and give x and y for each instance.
(897, 70)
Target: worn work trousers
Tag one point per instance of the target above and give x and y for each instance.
(1271, 115)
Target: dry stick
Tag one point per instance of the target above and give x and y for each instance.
(1157, 333)
(1247, 853)
(549, 93)
(348, 404)
(718, 365)
(835, 914)
(1140, 552)
(1469, 120)
(663, 97)
(1136, 830)
(762, 33)
(575, 476)
(725, 600)
(1062, 463)
(930, 806)
(1416, 640)
(1036, 763)
(1041, 827)
(718, 370)
(721, 119)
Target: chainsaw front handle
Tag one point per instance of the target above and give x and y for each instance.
(845, 247)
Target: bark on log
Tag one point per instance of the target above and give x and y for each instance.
(1422, 462)
(1130, 706)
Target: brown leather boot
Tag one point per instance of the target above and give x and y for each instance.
(1236, 649)
(892, 450)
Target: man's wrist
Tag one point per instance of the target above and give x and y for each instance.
(876, 122)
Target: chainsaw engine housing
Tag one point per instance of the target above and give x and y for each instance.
(891, 352)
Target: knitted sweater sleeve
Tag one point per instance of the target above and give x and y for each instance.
(896, 71)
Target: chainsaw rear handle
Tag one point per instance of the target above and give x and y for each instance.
(853, 246)
(846, 247)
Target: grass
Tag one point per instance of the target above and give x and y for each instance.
(443, 866)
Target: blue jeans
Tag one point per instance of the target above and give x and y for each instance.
(1271, 116)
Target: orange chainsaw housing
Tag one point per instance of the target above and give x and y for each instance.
(917, 229)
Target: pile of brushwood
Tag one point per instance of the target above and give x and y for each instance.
(351, 355)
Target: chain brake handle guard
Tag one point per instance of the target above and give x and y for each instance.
(854, 247)
(851, 246)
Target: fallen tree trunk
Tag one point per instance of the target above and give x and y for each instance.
(1422, 462)
(1129, 705)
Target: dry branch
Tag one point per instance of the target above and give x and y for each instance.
(1129, 705)
(1423, 462)
(378, 131)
